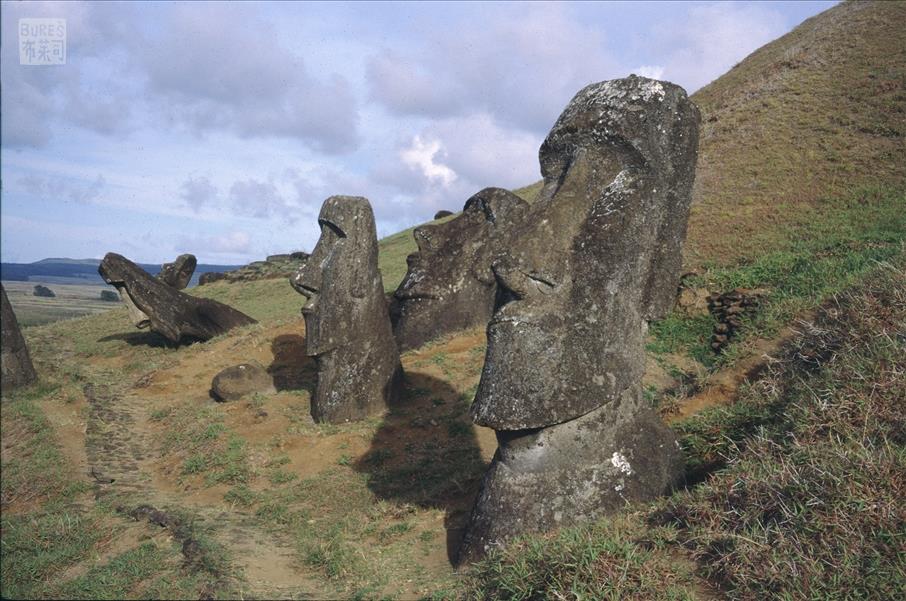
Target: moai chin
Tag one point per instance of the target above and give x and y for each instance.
(593, 259)
(449, 285)
(347, 326)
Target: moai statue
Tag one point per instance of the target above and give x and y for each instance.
(593, 259)
(450, 285)
(16, 368)
(178, 274)
(165, 310)
(347, 327)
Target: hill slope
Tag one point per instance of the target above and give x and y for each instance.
(813, 115)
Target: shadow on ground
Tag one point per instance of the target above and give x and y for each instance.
(291, 369)
(426, 453)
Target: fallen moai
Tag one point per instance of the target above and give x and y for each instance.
(165, 310)
(449, 285)
(242, 380)
(16, 368)
(595, 257)
(178, 274)
(347, 327)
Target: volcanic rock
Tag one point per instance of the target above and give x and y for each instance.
(167, 311)
(588, 264)
(449, 285)
(347, 327)
(178, 273)
(16, 368)
(242, 380)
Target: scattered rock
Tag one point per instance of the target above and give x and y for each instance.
(596, 256)
(43, 291)
(238, 381)
(442, 213)
(276, 258)
(178, 274)
(347, 326)
(16, 368)
(167, 311)
(109, 296)
(449, 285)
(729, 308)
(211, 276)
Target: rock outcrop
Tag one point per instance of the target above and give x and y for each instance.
(178, 273)
(347, 327)
(242, 380)
(43, 291)
(449, 285)
(593, 259)
(165, 310)
(16, 368)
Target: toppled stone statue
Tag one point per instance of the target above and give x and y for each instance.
(347, 327)
(450, 285)
(178, 274)
(593, 259)
(167, 311)
(16, 368)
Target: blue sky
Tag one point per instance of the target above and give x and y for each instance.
(219, 129)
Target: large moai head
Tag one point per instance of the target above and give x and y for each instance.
(450, 285)
(594, 256)
(165, 310)
(593, 259)
(347, 327)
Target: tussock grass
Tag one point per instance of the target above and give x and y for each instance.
(801, 488)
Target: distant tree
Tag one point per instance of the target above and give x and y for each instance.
(43, 291)
(109, 296)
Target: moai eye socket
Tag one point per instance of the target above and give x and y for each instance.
(331, 226)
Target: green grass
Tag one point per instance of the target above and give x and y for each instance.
(800, 483)
(810, 264)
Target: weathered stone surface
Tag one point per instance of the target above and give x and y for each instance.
(573, 472)
(449, 285)
(347, 327)
(167, 311)
(16, 368)
(238, 381)
(442, 213)
(178, 273)
(577, 279)
(590, 262)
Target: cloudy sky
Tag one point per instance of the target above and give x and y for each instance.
(219, 129)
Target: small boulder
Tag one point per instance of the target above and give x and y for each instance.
(44, 291)
(242, 380)
(211, 276)
(110, 296)
(442, 213)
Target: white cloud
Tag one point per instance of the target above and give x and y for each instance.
(652, 71)
(422, 155)
(56, 188)
(198, 191)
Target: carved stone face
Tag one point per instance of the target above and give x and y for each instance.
(450, 284)
(567, 332)
(341, 269)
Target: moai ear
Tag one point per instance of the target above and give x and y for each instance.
(362, 250)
